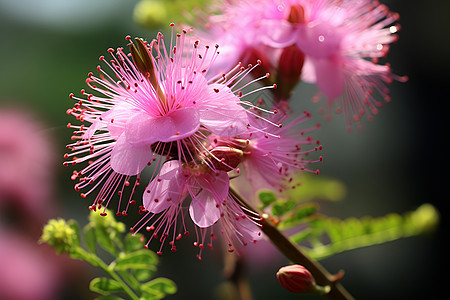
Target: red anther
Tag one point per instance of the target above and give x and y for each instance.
(178, 237)
(320, 147)
(172, 24)
(71, 95)
(146, 246)
(124, 213)
(267, 75)
(98, 68)
(274, 86)
(195, 244)
(320, 158)
(66, 156)
(186, 233)
(317, 172)
(83, 195)
(118, 213)
(231, 250)
(259, 62)
(128, 38)
(90, 74)
(159, 253)
(103, 214)
(102, 57)
(132, 202)
(199, 257)
(111, 50)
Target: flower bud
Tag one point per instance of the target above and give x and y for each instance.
(296, 279)
(60, 235)
(290, 66)
(226, 158)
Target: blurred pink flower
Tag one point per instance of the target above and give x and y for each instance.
(27, 272)
(342, 41)
(26, 156)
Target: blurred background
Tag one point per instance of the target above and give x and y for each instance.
(397, 163)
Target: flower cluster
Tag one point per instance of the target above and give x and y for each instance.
(164, 108)
(335, 44)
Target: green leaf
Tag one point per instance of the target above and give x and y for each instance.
(162, 286)
(109, 297)
(133, 242)
(266, 198)
(301, 236)
(353, 233)
(281, 207)
(104, 239)
(105, 286)
(143, 275)
(89, 238)
(300, 215)
(140, 259)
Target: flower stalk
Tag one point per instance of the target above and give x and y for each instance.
(296, 254)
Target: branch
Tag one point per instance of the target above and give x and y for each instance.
(294, 253)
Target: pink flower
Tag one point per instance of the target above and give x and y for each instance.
(273, 151)
(25, 149)
(338, 38)
(27, 273)
(342, 42)
(161, 107)
(211, 202)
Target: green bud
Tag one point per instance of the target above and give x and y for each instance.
(60, 235)
(106, 220)
(150, 13)
(426, 217)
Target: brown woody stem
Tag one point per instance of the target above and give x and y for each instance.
(297, 255)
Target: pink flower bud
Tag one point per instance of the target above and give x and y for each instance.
(296, 279)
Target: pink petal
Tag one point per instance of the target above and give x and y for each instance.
(223, 114)
(114, 119)
(205, 207)
(181, 123)
(203, 210)
(128, 159)
(277, 33)
(166, 189)
(330, 77)
(308, 73)
(318, 40)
